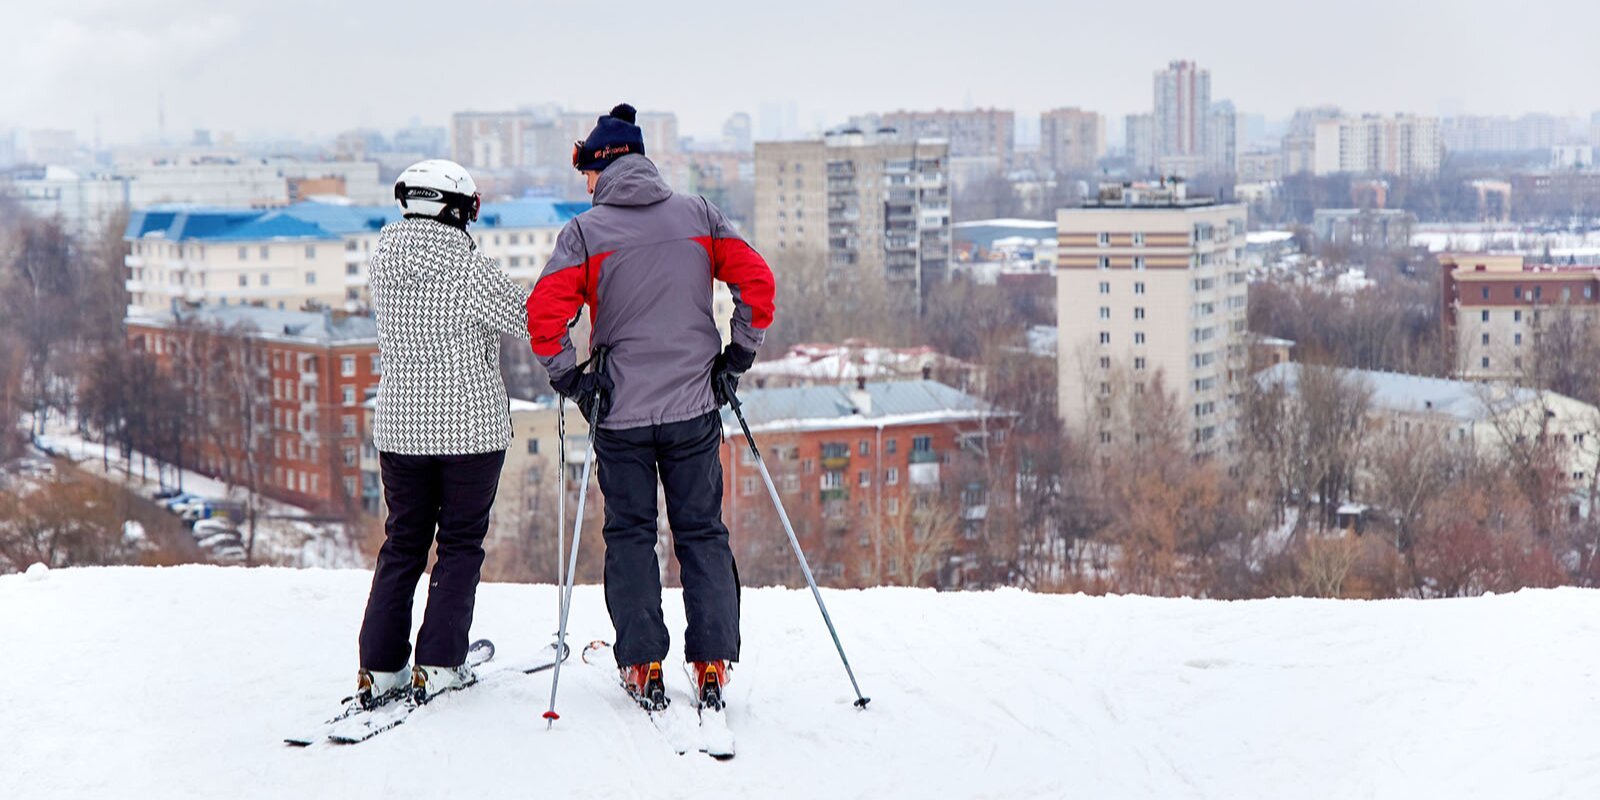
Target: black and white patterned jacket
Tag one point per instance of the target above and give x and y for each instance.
(441, 307)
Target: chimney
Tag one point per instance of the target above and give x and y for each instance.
(327, 319)
(860, 398)
(927, 372)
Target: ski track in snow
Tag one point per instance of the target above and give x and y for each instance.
(181, 682)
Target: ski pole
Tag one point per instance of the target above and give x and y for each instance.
(794, 542)
(561, 499)
(598, 361)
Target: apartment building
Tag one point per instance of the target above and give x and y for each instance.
(1139, 140)
(1071, 140)
(1182, 109)
(863, 207)
(311, 373)
(986, 134)
(1151, 282)
(1471, 415)
(307, 255)
(1497, 309)
(1371, 144)
(865, 473)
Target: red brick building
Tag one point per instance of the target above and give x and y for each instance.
(1497, 308)
(883, 483)
(301, 378)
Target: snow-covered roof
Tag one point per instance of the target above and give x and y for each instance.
(271, 323)
(1466, 401)
(828, 407)
(849, 362)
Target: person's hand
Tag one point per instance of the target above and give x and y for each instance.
(730, 365)
(591, 392)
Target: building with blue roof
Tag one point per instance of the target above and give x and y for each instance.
(307, 255)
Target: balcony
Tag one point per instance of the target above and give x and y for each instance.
(834, 463)
(835, 495)
(924, 457)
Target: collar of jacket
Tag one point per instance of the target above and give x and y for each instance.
(630, 181)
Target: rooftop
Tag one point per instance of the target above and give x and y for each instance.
(302, 326)
(832, 407)
(313, 220)
(1466, 401)
(1166, 193)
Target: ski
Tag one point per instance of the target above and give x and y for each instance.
(355, 724)
(715, 736)
(657, 708)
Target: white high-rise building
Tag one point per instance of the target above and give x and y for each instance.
(1371, 144)
(1182, 109)
(1151, 291)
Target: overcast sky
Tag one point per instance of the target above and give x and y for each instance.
(303, 67)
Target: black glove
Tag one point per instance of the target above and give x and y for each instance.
(591, 391)
(726, 370)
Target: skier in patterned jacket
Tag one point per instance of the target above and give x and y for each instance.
(441, 427)
(643, 260)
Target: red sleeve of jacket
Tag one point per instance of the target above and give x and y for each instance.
(556, 298)
(738, 264)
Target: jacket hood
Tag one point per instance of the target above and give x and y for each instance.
(631, 181)
(413, 248)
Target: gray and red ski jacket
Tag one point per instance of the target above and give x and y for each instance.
(643, 260)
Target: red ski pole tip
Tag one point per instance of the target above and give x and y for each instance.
(551, 715)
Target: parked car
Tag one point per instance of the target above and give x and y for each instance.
(228, 553)
(196, 511)
(220, 541)
(165, 494)
(176, 503)
(207, 527)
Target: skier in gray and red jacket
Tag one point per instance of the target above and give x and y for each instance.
(643, 260)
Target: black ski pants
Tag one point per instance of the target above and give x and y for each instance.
(683, 455)
(450, 495)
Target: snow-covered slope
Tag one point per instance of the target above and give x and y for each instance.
(169, 683)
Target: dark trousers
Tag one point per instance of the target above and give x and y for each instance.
(450, 495)
(684, 456)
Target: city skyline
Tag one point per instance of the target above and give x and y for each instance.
(238, 71)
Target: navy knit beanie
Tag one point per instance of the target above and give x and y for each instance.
(614, 136)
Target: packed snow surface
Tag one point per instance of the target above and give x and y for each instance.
(181, 682)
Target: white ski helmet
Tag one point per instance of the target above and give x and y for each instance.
(440, 189)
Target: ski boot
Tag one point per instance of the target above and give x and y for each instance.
(643, 683)
(374, 689)
(709, 678)
(430, 682)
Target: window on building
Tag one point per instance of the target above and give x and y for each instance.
(377, 364)
(1105, 437)
(922, 444)
(1138, 337)
(311, 251)
(1516, 315)
(1104, 240)
(864, 478)
(1486, 340)
(1138, 239)
(747, 486)
(832, 479)
(1516, 292)
(244, 254)
(263, 252)
(347, 366)
(1105, 337)
(533, 447)
(1485, 362)
(1105, 312)
(1138, 287)
(891, 446)
(244, 280)
(891, 476)
(1105, 362)
(864, 447)
(349, 395)
(1517, 339)
(265, 279)
(352, 270)
(311, 278)
(1138, 312)
(1105, 287)
(1486, 293)
(1486, 315)
(1138, 263)
(1105, 389)
(348, 425)
(349, 456)
(1105, 262)
(1138, 362)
